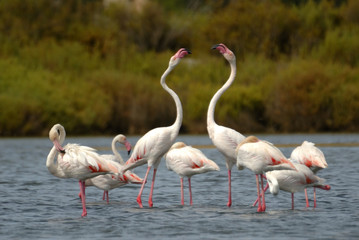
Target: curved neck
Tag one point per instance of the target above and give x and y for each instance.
(117, 154)
(51, 165)
(178, 122)
(212, 104)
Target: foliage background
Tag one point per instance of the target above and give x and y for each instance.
(94, 66)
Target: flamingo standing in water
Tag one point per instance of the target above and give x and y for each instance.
(261, 156)
(294, 180)
(225, 139)
(188, 161)
(110, 181)
(312, 157)
(74, 161)
(155, 143)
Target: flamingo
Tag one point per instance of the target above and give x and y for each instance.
(225, 139)
(261, 156)
(312, 157)
(74, 161)
(294, 180)
(110, 181)
(188, 161)
(154, 144)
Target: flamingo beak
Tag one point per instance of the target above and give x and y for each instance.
(128, 147)
(58, 147)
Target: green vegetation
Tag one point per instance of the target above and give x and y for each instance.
(94, 66)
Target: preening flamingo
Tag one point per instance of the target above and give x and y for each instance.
(261, 156)
(312, 157)
(225, 139)
(74, 161)
(154, 144)
(188, 161)
(117, 179)
(294, 180)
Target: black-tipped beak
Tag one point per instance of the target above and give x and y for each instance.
(128, 152)
(215, 46)
(189, 52)
(62, 151)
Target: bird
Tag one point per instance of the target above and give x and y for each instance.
(187, 161)
(151, 147)
(110, 181)
(294, 180)
(74, 161)
(312, 157)
(261, 156)
(223, 138)
(116, 156)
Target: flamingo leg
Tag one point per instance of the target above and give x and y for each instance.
(150, 202)
(292, 201)
(139, 201)
(190, 191)
(306, 197)
(315, 199)
(265, 189)
(182, 195)
(83, 198)
(263, 199)
(259, 209)
(106, 193)
(229, 204)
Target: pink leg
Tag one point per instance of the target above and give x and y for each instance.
(229, 204)
(150, 202)
(182, 197)
(259, 209)
(83, 198)
(315, 198)
(190, 191)
(263, 199)
(107, 198)
(306, 197)
(265, 189)
(139, 201)
(292, 201)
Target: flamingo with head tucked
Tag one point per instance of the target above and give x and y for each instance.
(225, 139)
(154, 144)
(294, 180)
(261, 156)
(312, 157)
(74, 161)
(188, 161)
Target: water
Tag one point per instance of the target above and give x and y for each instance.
(36, 205)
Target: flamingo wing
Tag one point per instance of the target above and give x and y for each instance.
(309, 155)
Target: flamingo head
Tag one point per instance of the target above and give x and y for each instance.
(273, 183)
(57, 136)
(123, 140)
(228, 54)
(175, 59)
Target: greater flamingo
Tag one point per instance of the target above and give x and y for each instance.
(225, 139)
(155, 143)
(294, 180)
(312, 157)
(110, 181)
(74, 161)
(188, 161)
(261, 156)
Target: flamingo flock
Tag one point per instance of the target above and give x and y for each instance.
(267, 162)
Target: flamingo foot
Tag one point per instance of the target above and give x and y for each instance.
(150, 203)
(139, 201)
(260, 209)
(229, 204)
(84, 214)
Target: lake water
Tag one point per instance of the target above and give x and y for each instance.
(36, 205)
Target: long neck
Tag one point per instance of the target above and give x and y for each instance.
(51, 165)
(117, 154)
(212, 104)
(177, 124)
